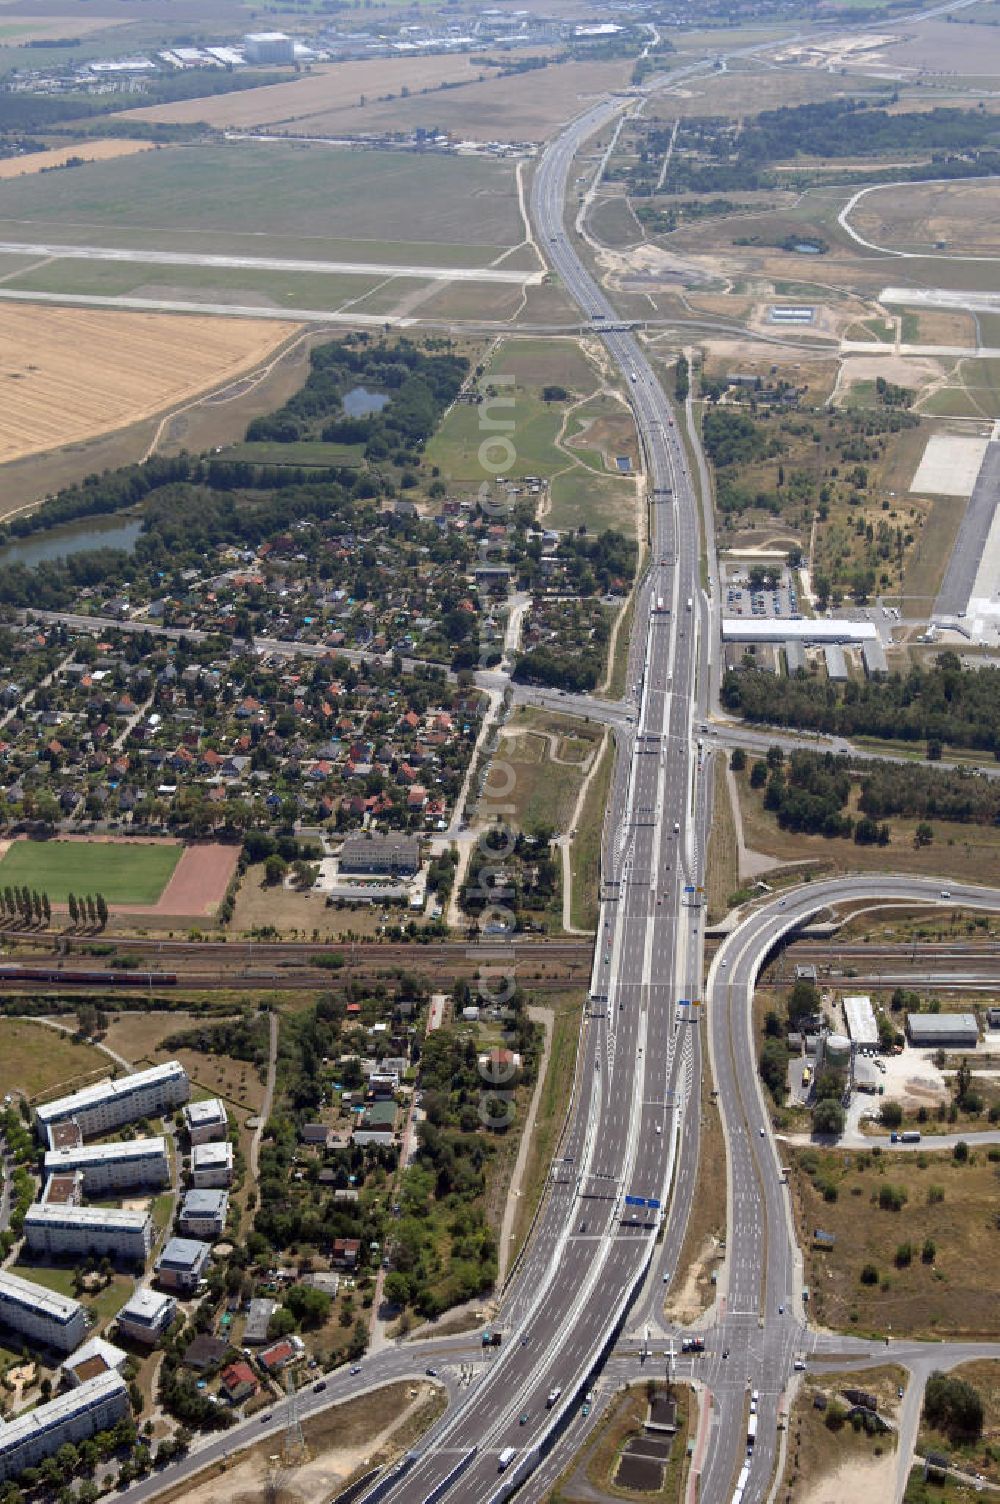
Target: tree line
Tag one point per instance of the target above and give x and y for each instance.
(941, 704)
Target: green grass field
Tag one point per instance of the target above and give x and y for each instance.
(309, 453)
(125, 872)
(247, 192)
(125, 278)
(36, 1059)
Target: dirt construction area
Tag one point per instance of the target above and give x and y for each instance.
(69, 374)
(342, 1442)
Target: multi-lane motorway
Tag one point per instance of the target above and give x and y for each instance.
(639, 1060)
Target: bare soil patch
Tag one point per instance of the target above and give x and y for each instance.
(199, 880)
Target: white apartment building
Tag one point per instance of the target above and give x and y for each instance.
(211, 1165)
(108, 1167)
(146, 1316)
(65, 1230)
(207, 1122)
(41, 1315)
(109, 1104)
(96, 1405)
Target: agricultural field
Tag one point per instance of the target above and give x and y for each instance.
(328, 89)
(356, 206)
(72, 373)
(953, 219)
(908, 1231)
(469, 103)
(37, 1060)
(126, 872)
(58, 156)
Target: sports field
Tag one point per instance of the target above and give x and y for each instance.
(126, 872)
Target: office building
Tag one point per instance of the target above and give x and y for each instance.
(107, 1167)
(108, 1104)
(211, 1165)
(146, 1316)
(39, 1315)
(203, 1214)
(182, 1264)
(206, 1121)
(95, 1405)
(64, 1231)
(380, 856)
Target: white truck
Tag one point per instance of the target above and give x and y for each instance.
(505, 1459)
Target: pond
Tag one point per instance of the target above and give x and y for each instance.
(72, 538)
(359, 402)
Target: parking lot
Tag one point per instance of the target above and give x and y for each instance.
(752, 591)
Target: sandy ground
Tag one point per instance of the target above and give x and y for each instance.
(89, 151)
(864, 1479)
(69, 374)
(316, 1482)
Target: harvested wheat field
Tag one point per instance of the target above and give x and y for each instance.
(86, 151)
(68, 374)
(336, 86)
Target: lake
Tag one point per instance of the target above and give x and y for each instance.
(359, 402)
(73, 538)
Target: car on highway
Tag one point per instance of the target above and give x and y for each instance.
(318, 1388)
(524, 1418)
(944, 893)
(431, 1373)
(265, 1418)
(355, 1368)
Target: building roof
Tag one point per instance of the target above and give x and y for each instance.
(110, 1217)
(780, 629)
(207, 1156)
(205, 1203)
(146, 1305)
(183, 1253)
(258, 1319)
(108, 1090)
(861, 1022)
(205, 1350)
(209, 1111)
(278, 1354)
(61, 1190)
(97, 1352)
(238, 1374)
(28, 1295)
(943, 1025)
(94, 1154)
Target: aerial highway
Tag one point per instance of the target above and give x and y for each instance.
(609, 1192)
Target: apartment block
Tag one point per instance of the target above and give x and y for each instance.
(207, 1122)
(203, 1214)
(108, 1104)
(108, 1167)
(95, 1405)
(146, 1316)
(211, 1165)
(40, 1315)
(62, 1231)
